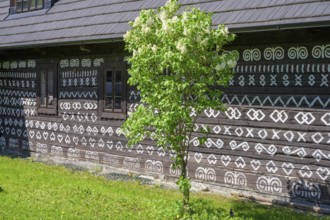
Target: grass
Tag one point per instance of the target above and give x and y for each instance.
(31, 190)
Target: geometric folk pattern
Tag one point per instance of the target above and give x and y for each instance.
(277, 116)
(239, 145)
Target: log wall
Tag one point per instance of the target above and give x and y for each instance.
(274, 139)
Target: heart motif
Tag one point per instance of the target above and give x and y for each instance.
(150, 150)
(109, 144)
(45, 134)
(60, 138)
(31, 133)
(75, 140)
(198, 157)
(287, 168)
(19, 132)
(225, 160)
(323, 173)
(255, 164)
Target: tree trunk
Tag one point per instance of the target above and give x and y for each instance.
(185, 186)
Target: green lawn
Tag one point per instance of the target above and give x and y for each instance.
(31, 190)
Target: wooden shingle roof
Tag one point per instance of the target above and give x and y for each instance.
(76, 21)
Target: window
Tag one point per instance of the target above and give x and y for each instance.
(47, 89)
(113, 104)
(27, 5)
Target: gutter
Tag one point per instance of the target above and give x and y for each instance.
(289, 26)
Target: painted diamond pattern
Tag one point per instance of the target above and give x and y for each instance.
(233, 113)
(326, 119)
(289, 135)
(317, 137)
(255, 115)
(304, 118)
(279, 116)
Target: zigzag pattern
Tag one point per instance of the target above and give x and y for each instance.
(78, 94)
(22, 94)
(277, 101)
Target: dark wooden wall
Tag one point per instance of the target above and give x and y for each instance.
(274, 138)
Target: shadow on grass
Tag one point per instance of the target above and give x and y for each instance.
(253, 210)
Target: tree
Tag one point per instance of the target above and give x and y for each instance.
(180, 67)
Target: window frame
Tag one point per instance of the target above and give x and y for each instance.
(113, 113)
(47, 109)
(13, 5)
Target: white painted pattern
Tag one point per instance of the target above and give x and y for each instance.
(251, 54)
(271, 150)
(271, 167)
(319, 155)
(298, 52)
(323, 173)
(210, 143)
(233, 113)
(300, 152)
(212, 159)
(255, 115)
(255, 164)
(225, 159)
(305, 171)
(276, 53)
(321, 51)
(234, 145)
(279, 116)
(240, 162)
(276, 101)
(198, 157)
(235, 179)
(287, 168)
(269, 184)
(206, 174)
(154, 166)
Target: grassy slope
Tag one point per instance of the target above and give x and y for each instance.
(38, 191)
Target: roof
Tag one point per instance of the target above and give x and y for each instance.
(77, 21)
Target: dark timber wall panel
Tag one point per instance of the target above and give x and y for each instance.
(273, 139)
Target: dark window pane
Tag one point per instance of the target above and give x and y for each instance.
(33, 4)
(118, 90)
(19, 6)
(43, 88)
(40, 4)
(25, 5)
(108, 90)
(50, 88)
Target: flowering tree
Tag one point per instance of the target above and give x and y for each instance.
(179, 66)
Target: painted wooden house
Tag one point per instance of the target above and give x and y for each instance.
(63, 93)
